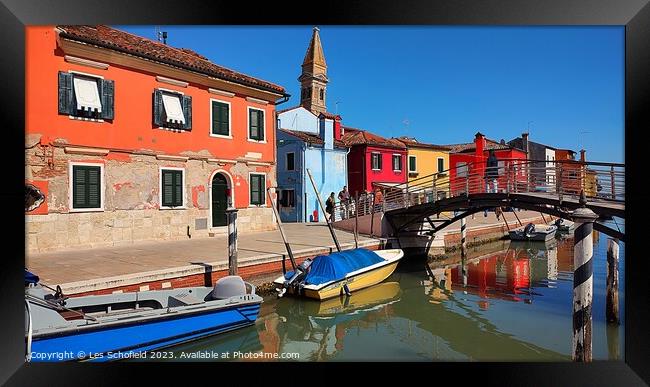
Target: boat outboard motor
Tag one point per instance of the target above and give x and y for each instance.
(298, 275)
(529, 229)
(559, 222)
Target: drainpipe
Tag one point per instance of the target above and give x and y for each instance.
(284, 99)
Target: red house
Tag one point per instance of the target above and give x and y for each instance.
(469, 160)
(374, 161)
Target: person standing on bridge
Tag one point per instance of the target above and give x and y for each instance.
(491, 174)
(344, 198)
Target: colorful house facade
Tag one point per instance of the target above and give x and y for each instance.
(309, 138)
(468, 160)
(373, 161)
(425, 160)
(130, 139)
(542, 169)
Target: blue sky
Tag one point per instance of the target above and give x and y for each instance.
(443, 84)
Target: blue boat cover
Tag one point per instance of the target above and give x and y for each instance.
(336, 266)
(30, 278)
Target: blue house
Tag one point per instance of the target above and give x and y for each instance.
(309, 137)
(306, 141)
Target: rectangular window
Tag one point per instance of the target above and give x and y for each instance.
(288, 198)
(171, 187)
(256, 124)
(376, 161)
(461, 169)
(291, 161)
(86, 187)
(502, 167)
(172, 110)
(86, 96)
(413, 164)
(257, 187)
(397, 162)
(441, 164)
(220, 118)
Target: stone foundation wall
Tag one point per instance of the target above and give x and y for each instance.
(131, 200)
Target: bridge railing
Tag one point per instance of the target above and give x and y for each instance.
(563, 178)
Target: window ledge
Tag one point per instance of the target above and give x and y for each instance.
(176, 130)
(229, 137)
(77, 210)
(257, 141)
(98, 120)
(257, 206)
(173, 208)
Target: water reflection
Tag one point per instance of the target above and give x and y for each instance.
(513, 303)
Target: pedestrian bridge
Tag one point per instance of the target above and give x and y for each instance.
(555, 188)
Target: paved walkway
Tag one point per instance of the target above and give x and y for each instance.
(81, 265)
(81, 270)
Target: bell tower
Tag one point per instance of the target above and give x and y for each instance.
(313, 80)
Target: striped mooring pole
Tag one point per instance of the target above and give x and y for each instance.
(611, 305)
(463, 249)
(231, 215)
(583, 285)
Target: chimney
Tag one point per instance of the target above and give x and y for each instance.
(479, 141)
(338, 133)
(582, 155)
(524, 143)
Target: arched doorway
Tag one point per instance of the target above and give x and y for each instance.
(220, 193)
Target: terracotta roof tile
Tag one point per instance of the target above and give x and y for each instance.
(108, 37)
(470, 146)
(311, 138)
(355, 136)
(331, 116)
(412, 142)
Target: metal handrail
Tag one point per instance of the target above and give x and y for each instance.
(558, 177)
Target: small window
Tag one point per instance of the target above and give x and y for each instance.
(461, 169)
(288, 198)
(220, 118)
(256, 124)
(172, 188)
(397, 162)
(376, 161)
(322, 94)
(290, 161)
(412, 164)
(86, 96)
(502, 167)
(86, 187)
(172, 110)
(441, 164)
(257, 186)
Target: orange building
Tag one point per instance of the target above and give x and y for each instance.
(130, 139)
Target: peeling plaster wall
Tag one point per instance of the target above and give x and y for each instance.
(131, 201)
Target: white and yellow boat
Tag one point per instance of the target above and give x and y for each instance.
(332, 275)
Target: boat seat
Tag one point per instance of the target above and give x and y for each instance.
(182, 299)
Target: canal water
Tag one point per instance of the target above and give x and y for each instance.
(515, 304)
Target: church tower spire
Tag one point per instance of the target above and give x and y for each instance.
(313, 80)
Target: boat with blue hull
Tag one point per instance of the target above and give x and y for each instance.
(127, 325)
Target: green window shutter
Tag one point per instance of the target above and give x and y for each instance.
(157, 108)
(412, 164)
(66, 94)
(178, 188)
(379, 160)
(441, 165)
(260, 123)
(253, 127)
(107, 90)
(220, 121)
(172, 188)
(257, 189)
(186, 102)
(86, 187)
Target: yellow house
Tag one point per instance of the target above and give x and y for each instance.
(425, 160)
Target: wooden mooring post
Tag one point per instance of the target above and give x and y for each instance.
(231, 215)
(356, 220)
(611, 310)
(583, 286)
(463, 249)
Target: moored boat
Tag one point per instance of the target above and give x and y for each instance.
(127, 325)
(533, 232)
(328, 276)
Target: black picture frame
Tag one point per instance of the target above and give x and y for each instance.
(633, 14)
